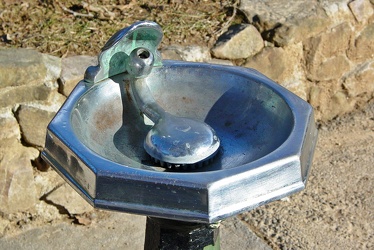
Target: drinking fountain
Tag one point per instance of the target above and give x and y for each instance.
(185, 144)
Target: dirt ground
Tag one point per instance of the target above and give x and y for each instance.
(75, 27)
(336, 210)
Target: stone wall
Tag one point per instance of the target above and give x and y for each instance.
(321, 50)
(33, 86)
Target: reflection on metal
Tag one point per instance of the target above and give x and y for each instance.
(266, 134)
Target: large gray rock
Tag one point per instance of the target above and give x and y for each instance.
(20, 67)
(27, 67)
(72, 72)
(33, 122)
(190, 53)
(34, 119)
(339, 104)
(46, 182)
(240, 41)
(333, 42)
(283, 66)
(330, 100)
(283, 22)
(17, 188)
(27, 76)
(337, 11)
(330, 69)
(326, 60)
(360, 80)
(361, 9)
(54, 66)
(9, 97)
(363, 46)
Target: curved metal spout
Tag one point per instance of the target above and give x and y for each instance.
(173, 141)
(139, 66)
(144, 99)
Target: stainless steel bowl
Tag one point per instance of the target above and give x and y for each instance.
(267, 137)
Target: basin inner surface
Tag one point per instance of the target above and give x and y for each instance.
(249, 115)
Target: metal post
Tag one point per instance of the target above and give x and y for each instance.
(164, 234)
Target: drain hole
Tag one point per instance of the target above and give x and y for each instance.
(143, 54)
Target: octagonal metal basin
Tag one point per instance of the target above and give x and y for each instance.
(267, 139)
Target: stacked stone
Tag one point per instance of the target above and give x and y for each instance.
(29, 98)
(321, 50)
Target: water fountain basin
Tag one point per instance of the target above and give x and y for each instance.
(267, 138)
